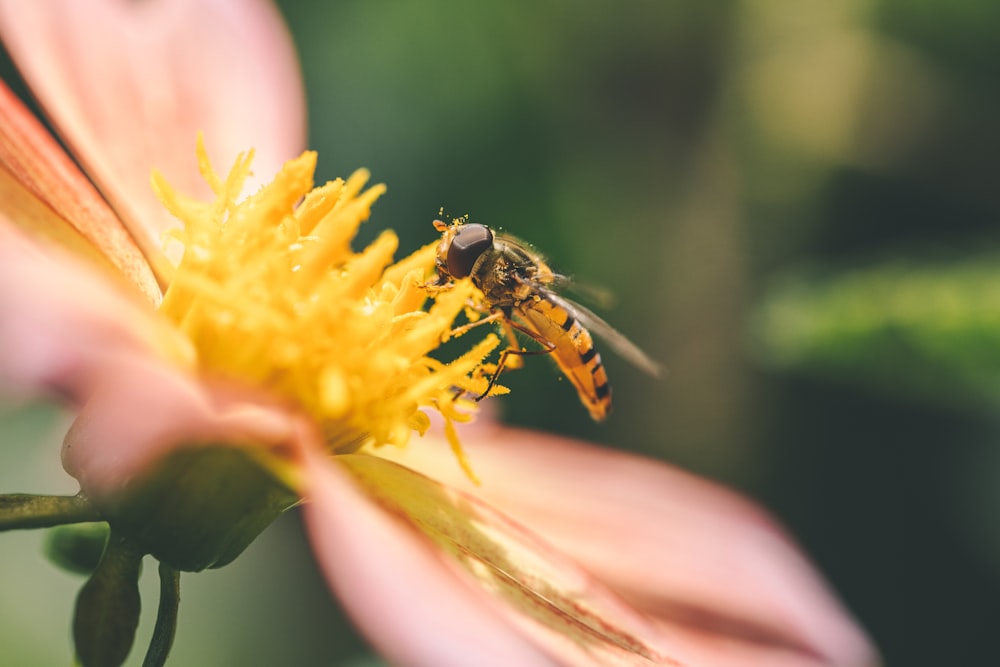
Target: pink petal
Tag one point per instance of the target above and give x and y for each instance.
(39, 172)
(405, 599)
(721, 577)
(144, 409)
(543, 594)
(129, 84)
(63, 327)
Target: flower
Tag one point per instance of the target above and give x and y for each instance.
(274, 363)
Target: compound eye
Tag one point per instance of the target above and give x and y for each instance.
(469, 243)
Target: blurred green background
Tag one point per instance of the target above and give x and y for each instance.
(795, 205)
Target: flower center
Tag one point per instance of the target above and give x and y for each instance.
(271, 295)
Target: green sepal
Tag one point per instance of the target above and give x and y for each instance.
(107, 608)
(77, 548)
(200, 507)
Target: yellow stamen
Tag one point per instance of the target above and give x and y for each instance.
(271, 294)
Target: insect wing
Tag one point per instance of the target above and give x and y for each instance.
(625, 348)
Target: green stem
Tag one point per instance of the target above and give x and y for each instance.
(166, 617)
(22, 510)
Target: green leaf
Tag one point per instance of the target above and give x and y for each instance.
(77, 548)
(926, 331)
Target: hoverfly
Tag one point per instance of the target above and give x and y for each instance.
(518, 291)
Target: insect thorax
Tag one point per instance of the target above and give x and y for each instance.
(506, 276)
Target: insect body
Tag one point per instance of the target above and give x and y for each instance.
(518, 290)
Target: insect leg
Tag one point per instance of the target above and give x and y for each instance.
(469, 326)
(465, 328)
(512, 344)
(509, 326)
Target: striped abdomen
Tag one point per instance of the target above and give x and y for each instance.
(573, 350)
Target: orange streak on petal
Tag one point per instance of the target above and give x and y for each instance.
(402, 595)
(707, 646)
(129, 84)
(540, 591)
(33, 159)
(699, 558)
